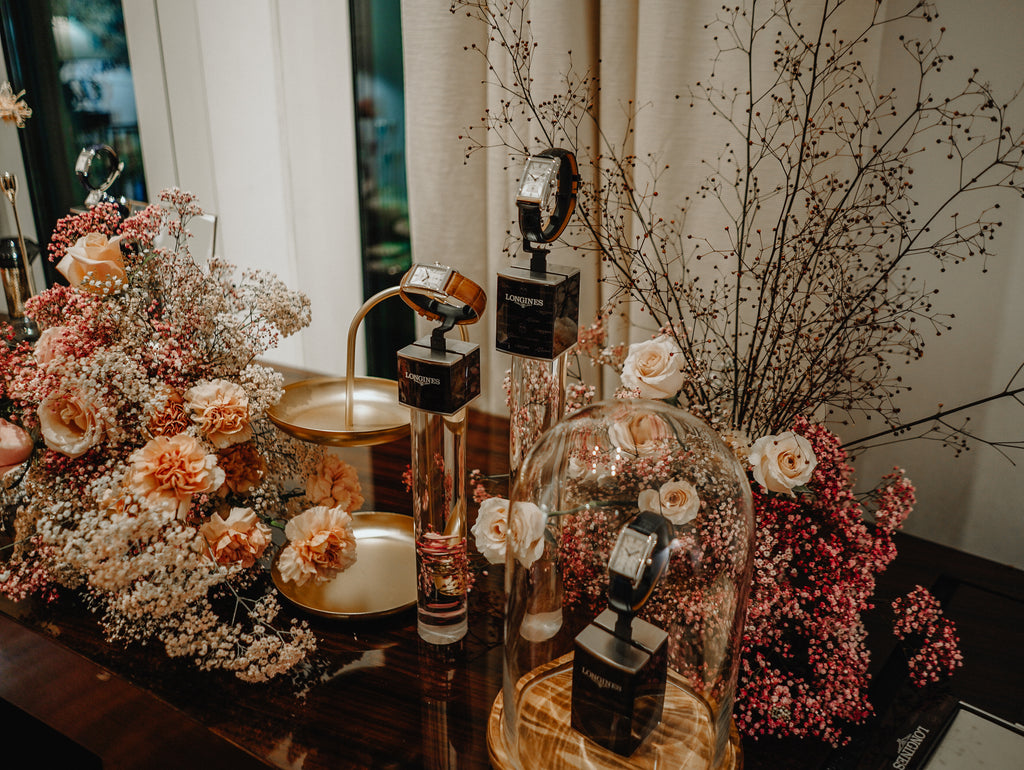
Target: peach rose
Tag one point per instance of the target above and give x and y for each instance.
(676, 500)
(94, 264)
(526, 532)
(490, 529)
(15, 446)
(335, 484)
(221, 410)
(241, 538)
(243, 468)
(167, 472)
(70, 423)
(640, 434)
(46, 347)
(781, 463)
(321, 544)
(654, 368)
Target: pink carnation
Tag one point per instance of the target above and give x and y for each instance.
(167, 472)
(240, 539)
(335, 484)
(321, 544)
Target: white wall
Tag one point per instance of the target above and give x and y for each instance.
(974, 502)
(249, 104)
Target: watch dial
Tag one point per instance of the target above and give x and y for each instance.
(629, 556)
(538, 177)
(429, 277)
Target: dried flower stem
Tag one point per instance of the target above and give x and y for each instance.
(805, 305)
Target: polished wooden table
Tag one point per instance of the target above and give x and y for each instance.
(377, 697)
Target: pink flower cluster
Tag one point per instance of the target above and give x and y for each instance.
(153, 476)
(930, 639)
(805, 662)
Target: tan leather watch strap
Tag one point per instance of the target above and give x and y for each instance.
(468, 293)
(458, 291)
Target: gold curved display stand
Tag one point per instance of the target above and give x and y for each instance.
(350, 411)
(346, 411)
(681, 741)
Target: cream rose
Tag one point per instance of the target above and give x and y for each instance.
(15, 445)
(70, 423)
(94, 263)
(241, 538)
(321, 544)
(221, 410)
(654, 368)
(168, 472)
(526, 532)
(640, 434)
(676, 500)
(491, 528)
(781, 463)
(335, 484)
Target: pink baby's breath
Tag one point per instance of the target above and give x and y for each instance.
(149, 389)
(929, 638)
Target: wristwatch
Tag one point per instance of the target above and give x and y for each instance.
(547, 194)
(638, 561)
(84, 164)
(423, 285)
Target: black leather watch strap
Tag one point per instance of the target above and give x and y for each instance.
(531, 222)
(633, 570)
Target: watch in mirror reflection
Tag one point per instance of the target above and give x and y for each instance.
(110, 169)
(547, 194)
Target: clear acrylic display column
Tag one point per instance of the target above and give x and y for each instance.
(536, 403)
(439, 513)
(537, 323)
(437, 378)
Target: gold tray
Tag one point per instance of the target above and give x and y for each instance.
(314, 410)
(381, 582)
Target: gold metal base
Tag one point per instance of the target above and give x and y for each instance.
(381, 582)
(315, 410)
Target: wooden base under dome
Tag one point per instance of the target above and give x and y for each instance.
(681, 741)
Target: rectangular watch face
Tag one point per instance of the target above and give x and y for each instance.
(432, 277)
(538, 176)
(629, 557)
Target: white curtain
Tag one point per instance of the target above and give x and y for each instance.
(463, 209)
(650, 52)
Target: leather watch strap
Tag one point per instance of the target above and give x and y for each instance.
(626, 596)
(458, 292)
(530, 218)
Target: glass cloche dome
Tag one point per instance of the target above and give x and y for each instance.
(630, 546)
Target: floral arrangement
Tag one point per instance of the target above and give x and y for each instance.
(13, 108)
(138, 465)
(791, 319)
